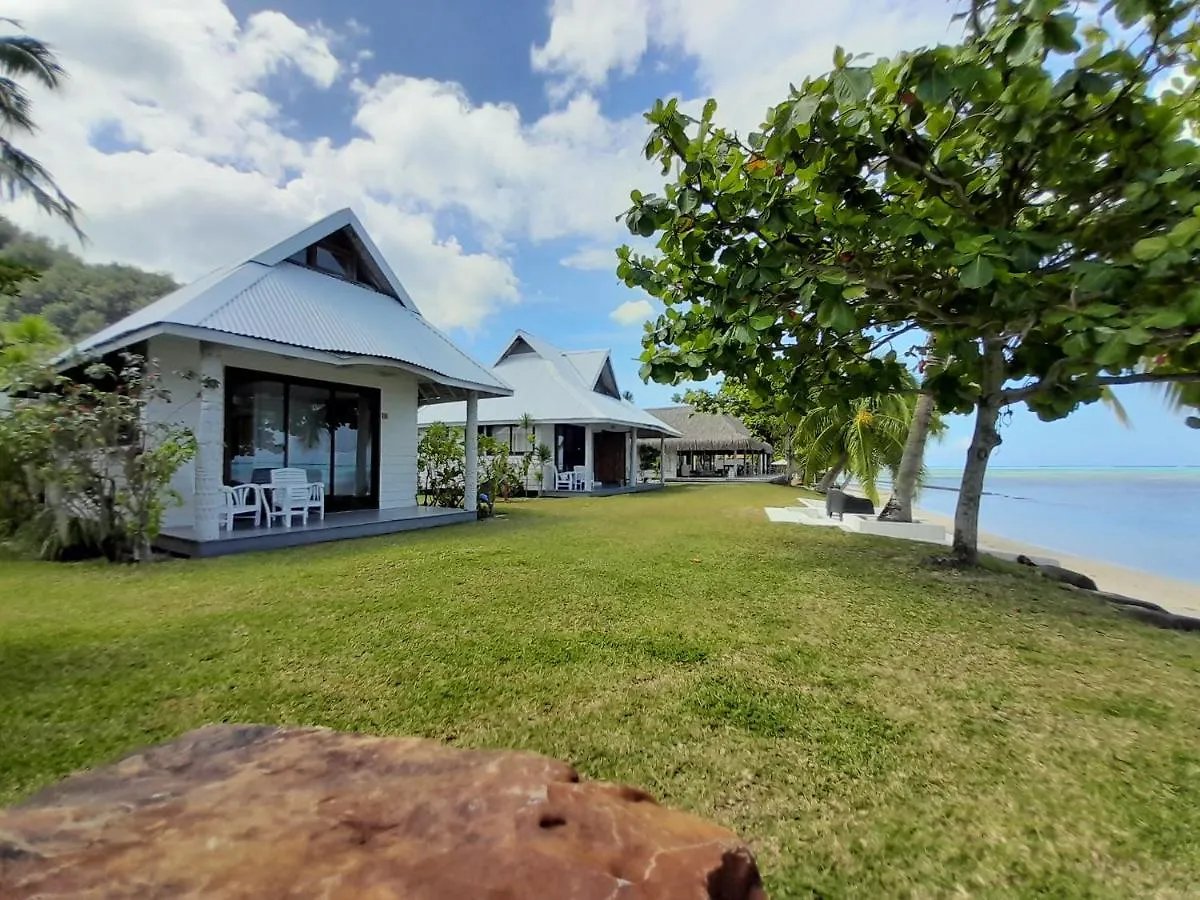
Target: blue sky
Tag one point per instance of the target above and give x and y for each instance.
(487, 145)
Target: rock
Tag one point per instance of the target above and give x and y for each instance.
(1058, 573)
(252, 811)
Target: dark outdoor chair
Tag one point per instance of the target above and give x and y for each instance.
(838, 503)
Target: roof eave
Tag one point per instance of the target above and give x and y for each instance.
(278, 348)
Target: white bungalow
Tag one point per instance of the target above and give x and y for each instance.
(577, 410)
(309, 356)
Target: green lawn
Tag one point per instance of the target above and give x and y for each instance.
(872, 726)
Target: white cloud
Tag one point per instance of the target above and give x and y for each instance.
(593, 259)
(632, 312)
(745, 54)
(168, 139)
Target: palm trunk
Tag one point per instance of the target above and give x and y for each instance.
(984, 440)
(905, 488)
(832, 474)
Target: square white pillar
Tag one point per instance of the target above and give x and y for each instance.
(632, 459)
(210, 445)
(662, 460)
(589, 456)
(471, 439)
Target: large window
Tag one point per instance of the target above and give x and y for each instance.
(329, 430)
(514, 437)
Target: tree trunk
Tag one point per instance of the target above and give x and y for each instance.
(984, 440)
(832, 474)
(905, 488)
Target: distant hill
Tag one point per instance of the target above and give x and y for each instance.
(77, 297)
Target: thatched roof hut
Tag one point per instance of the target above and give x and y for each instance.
(707, 432)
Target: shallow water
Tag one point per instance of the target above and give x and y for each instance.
(1146, 519)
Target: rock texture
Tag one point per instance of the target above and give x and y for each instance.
(238, 811)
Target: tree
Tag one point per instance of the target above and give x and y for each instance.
(1029, 198)
(627, 396)
(22, 56)
(84, 469)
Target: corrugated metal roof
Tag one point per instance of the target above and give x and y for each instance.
(549, 387)
(290, 304)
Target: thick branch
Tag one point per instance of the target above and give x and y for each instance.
(1016, 395)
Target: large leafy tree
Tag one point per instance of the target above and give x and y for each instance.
(23, 57)
(1029, 197)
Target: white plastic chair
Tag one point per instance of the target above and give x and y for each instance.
(241, 500)
(316, 498)
(580, 480)
(290, 495)
(564, 481)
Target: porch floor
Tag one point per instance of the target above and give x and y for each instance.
(607, 491)
(245, 537)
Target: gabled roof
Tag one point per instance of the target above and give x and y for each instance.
(552, 386)
(708, 432)
(272, 303)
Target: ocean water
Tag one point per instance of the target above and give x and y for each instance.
(1144, 518)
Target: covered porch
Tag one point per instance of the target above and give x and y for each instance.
(599, 459)
(247, 537)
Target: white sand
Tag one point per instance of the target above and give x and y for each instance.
(1173, 594)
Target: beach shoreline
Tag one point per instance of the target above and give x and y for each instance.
(1171, 593)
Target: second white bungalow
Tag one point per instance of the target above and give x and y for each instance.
(577, 410)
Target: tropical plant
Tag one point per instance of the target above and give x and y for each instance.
(25, 57)
(441, 462)
(859, 438)
(543, 456)
(527, 426)
(85, 470)
(1028, 197)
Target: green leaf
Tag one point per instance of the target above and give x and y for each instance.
(977, 273)
(1136, 336)
(1182, 233)
(762, 321)
(1102, 310)
(839, 57)
(934, 88)
(1112, 353)
(1165, 319)
(688, 201)
(855, 292)
(852, 85)
(1150, 248)
(836, 315)
(802, 111)
(1076, 345)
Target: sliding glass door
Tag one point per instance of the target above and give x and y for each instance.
(329, 430)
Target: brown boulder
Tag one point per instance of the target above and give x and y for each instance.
(236, 811)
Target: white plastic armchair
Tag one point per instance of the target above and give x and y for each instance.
(240, 500)
(290, 495)
(564, 481)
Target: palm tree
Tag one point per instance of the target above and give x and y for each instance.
(859, 438)
(912, 462)
(22, 56)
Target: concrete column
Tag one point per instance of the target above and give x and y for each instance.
(589, 455)
(210, 445)
(471, 437)
(662, 460)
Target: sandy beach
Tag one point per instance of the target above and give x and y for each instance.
(1177, 596)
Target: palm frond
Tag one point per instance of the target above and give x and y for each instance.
(14, 106)
(22, 175)
(1109, 398)
(25, 56)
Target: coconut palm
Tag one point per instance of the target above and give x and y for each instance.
(25, 57)
(859, 438)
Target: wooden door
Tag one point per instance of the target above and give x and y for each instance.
(610, 457)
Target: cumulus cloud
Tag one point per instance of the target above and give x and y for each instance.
(172, 137)
(745, 54)
(632, 312)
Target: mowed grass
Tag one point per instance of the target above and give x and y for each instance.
(871, 725)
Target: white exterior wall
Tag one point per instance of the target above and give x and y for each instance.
(398, 410)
